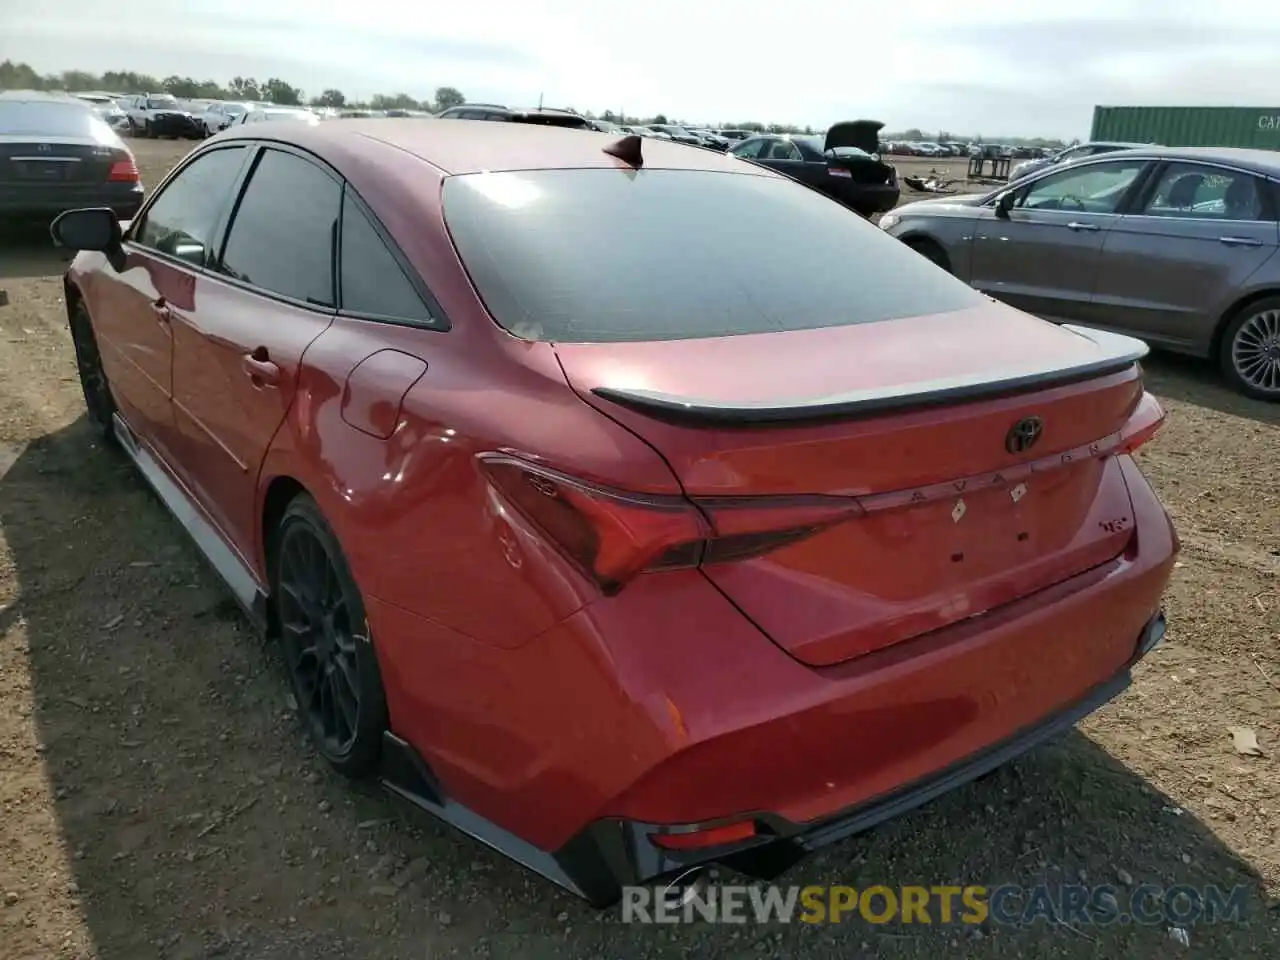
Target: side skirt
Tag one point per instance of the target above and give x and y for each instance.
(226, 564)
(406, 775)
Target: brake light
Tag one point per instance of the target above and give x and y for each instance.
(698, 837)
(1143, 424)
(613, 535)
(124, 171)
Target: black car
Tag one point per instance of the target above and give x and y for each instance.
(845, 164)
(57, 154)
(493, 111)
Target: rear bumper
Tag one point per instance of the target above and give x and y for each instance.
(49, 201)
(616, 853)
(870, 199)
(664, 710)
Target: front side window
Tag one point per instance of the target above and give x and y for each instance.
(282, 235)
(750, 149)
(784, 150)
(1213, 193)
(1096, 188)
(183, 218)
(602, 255)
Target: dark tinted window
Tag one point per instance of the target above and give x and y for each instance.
(750, 149)
(182, 219)
(372, 281)
(282, 236)
(1213, 193)
(606, 255)
(50, 119)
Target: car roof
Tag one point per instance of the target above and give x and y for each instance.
(39, 96)
(1264, 162)
(474, 146)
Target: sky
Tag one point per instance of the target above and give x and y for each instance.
(1026, 69)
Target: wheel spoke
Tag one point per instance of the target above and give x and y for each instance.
(344, 697)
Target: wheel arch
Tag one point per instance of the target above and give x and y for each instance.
(72, 293)
(918, 240)
(280, 492)
(1238, 307)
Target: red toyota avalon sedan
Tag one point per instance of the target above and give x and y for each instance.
(626, 505)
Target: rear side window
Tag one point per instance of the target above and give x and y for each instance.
(605, 255)
(283, 233)
(373, 283)
(182, 220)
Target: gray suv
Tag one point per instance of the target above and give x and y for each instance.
(1177, 246)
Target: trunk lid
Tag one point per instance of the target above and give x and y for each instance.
(50, 161)
(913, 418)
(863, 134)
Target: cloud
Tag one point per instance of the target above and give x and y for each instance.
(1029, 69)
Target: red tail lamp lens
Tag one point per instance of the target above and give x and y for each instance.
(613, 535)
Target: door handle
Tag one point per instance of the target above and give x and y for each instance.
(1077, 225)
(161, 310)
(1240, 241)
(261, 371)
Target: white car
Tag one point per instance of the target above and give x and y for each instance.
(104, 104)
(221, 114)
(269, 114)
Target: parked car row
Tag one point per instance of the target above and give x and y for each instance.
(1177, 246)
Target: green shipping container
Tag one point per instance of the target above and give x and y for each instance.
(1256, 127)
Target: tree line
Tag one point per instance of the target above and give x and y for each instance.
(22, 76)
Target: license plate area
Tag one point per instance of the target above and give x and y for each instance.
(43, 171)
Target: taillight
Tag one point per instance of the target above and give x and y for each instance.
(1143, 424)
(695, 837)
(613, 535)
(124, 171)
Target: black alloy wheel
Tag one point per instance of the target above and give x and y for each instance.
(98, 401)
(324, 639)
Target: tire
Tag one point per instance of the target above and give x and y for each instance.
(133, 128)
(325, 644)
(98, 401)
(1253, 334)
(931, 252)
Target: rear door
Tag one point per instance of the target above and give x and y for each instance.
(1044, 257)
(237, 356)
(1173, 266)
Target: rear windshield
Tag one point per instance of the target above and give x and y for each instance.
(33, 118)
(606, 255)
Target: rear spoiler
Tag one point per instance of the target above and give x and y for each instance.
(1116, 353)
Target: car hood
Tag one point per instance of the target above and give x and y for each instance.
(863, 134)
(965, 204)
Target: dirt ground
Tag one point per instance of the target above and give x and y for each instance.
(158, 800)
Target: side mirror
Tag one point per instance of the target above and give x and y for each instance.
(92, 228)
(1004, 205)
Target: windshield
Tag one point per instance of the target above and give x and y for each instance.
(154, 102)
(601, 255)
(52, 119)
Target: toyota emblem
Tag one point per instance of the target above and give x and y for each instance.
(1023, 435)
(45, 148)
